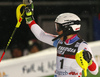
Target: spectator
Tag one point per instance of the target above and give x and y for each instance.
(16, 51)
(34, 46)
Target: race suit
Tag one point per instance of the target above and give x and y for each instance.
(66, 65)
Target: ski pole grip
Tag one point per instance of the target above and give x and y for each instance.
(19, 14)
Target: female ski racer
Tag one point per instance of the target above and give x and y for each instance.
(68, 43)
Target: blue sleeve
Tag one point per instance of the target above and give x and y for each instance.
(55, 43)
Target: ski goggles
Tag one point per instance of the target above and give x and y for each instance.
(58, 27)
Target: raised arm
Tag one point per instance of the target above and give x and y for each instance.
(41, 34)
(36, 30)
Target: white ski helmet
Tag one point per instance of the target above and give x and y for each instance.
(65, 20)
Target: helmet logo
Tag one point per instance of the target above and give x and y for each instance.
(68, 23)
(77, 29)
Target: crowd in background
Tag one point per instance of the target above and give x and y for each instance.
(17, 49)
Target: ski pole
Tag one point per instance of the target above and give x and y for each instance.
(19, 17)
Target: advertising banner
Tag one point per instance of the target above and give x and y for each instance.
(34, 65)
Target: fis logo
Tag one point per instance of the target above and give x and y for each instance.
(3, 74)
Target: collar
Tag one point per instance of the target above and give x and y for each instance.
(72, 39)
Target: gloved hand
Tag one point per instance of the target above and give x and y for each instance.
(87, 56)
(29, 13)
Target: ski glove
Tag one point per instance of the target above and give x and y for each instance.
(29, 13)
(88, 57)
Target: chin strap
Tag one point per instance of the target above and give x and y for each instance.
(65, 34)
(59, 36)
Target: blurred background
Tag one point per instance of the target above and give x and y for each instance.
(45, 13)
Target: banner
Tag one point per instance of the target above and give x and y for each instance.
(34, 65)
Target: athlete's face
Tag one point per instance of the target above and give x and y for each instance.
(59, 32)
(58, 29)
